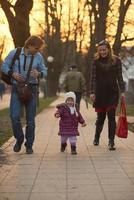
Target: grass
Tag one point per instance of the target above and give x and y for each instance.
(44, 103)
(5, 126)
(5, 123)
(131, 127)
(130, 112)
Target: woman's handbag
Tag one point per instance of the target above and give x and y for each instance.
(122, 125)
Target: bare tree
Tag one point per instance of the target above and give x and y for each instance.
(62, 41)
(74, 30)
(53, 43)
(99, 18)
(18, 19)
(2, 44)
(124, 5)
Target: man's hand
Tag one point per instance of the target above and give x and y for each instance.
(35, 73)
(18, 77)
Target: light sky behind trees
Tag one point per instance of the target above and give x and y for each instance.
(37, 24)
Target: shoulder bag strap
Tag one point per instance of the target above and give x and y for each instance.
(123, 107)
(16, 56)
(30, 66)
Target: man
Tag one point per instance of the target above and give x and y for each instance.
(75, 82)
(29, 54)
(2, 89)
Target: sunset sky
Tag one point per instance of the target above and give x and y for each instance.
(37, 17)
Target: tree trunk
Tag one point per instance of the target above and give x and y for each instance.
(52, 79)
(122, 13)
(18, 22)
(53, 45)
(98, 11)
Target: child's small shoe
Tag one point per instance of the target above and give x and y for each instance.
(63, 147)
(73, 150)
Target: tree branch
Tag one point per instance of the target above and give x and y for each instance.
(127, 39)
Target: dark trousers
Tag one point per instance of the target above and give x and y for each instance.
(101, 116)
(15, 114)
(78, 98)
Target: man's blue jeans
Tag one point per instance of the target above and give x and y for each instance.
(15, 113)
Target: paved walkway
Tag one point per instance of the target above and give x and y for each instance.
(95, 173)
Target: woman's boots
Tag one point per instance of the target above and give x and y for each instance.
(97, 134)
(111, 135)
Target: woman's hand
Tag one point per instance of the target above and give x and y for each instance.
(92, 97)
(122, 95)
(35, 73)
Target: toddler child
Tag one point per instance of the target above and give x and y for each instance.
(69, 116)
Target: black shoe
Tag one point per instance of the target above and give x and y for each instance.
(111, 147)
(17, 147)
(73, 150)
(63, 147)
(96, 142)
(29, 150)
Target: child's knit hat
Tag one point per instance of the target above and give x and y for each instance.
(73, 96)
(70, 95)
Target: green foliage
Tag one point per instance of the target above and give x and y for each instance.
(131, 127)
(130, 110)
(44, 103)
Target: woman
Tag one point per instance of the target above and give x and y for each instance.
(106, 80)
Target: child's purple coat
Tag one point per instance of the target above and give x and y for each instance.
(68, 124)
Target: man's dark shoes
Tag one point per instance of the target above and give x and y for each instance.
(18, 144)
(17, 147)
(111, 147)
(29, 150)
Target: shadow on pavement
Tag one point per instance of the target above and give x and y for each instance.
(4, 158)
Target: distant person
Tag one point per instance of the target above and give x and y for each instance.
(106, 80)
(2, 89)
(69, 118)
(75, 81)
(29, 55)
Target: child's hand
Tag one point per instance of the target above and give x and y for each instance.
(83, 125)
(57, 115)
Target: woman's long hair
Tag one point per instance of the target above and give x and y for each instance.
(111, 56)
